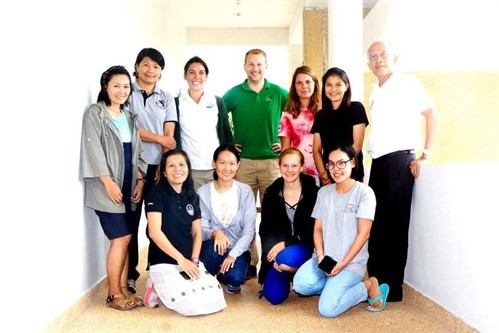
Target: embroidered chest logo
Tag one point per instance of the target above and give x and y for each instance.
(161, 103)
(190, 209)
(350, 208)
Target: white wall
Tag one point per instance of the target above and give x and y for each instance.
(437, 35)
(452, 255)
(453, 225)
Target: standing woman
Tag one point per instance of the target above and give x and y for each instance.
(298, 118)
(155, 110)
(112, 169)
(203, 124)
(286, 228)
(174, 230)
(340, 121)
(228, 220)
(343, 214)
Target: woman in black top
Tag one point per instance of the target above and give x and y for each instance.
(340, 121)
(286, 227)
(176, 275)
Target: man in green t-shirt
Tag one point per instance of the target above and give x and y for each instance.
(256, 106)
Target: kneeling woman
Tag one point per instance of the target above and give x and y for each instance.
(174, 229)
(343, 214)
(228, 220)
(286, 228)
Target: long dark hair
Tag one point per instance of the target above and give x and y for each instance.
(222, 148)
(347, 97)
(188, 185)
(104, 81)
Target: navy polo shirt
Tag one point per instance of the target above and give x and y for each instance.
(178, 213)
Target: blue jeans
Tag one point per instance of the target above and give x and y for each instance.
(276, 285)
(337, 293)
(236, 276)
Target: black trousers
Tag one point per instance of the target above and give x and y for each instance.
(393, 183)
(133, 247)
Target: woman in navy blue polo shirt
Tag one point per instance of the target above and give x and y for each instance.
(177, 276)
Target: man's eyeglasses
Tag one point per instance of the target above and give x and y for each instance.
(375, 57)
(340, 164)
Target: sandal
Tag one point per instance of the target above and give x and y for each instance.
(123, 304)
(136, 299)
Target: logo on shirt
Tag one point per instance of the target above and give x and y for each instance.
(161, 103)
(268, 99)
(350, 208)
(190, 209)
(209, 106)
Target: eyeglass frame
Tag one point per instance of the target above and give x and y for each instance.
(374, 56)
(328, 164)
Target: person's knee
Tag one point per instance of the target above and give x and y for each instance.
(275, 297)
(122, 241)
(329, 310)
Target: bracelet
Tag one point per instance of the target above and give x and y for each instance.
(195, 261)
(141, 180)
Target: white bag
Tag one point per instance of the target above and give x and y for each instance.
(187, 297)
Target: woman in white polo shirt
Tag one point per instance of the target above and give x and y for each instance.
(203, 124)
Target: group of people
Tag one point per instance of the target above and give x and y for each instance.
(299, 153)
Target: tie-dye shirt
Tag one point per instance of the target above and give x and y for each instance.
(298, 131)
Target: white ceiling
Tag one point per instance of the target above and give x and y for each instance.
(247, 13)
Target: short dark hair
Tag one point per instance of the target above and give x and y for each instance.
(104, 81)
(196, 60)
(350, 151)
(151, 53)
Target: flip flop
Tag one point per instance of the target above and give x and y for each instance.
(384, 289)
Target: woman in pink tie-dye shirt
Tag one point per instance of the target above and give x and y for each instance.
(299, 115)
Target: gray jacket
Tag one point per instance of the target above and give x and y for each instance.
(242, 229)
(102, 155)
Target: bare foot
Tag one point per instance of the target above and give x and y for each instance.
(373, 291)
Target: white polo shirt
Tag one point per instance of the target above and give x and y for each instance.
(198, 125)
(396, 109)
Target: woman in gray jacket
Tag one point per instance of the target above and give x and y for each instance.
(113, 172)
(228, 217)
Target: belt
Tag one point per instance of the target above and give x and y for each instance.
(399, 152)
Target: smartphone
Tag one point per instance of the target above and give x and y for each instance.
(327, 264)
(184, 275)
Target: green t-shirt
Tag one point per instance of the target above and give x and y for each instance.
(256, 118)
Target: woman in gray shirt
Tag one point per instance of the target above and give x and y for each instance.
(344, 213)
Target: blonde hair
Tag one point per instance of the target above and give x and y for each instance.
(292, 151)
(255, 51)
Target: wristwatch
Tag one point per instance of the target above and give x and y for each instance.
(427, 152)
(195, 261)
